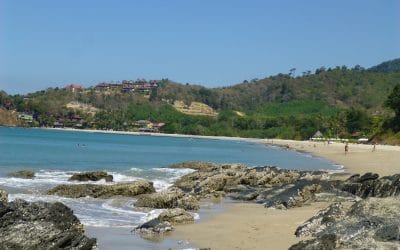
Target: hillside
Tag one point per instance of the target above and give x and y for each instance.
(386, 67)
(339, 87)
(8, 118)
(338, 102)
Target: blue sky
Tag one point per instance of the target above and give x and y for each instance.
(213, 43)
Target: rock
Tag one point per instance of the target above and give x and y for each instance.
(321, 220)
(196, 165)
(91, 176)
(369, 185)
(24, 174)
(176, 216)
(172, 198)
(129, 189)
(3, 196)
(157, 227)
(41, 225)
(289, 196)
(153, 229)
(372, 223)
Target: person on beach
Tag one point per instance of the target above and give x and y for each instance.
(374, 148)
(346, 148)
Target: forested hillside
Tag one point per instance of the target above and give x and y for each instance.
(337, 101)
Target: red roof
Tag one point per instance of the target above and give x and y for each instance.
(73, 86)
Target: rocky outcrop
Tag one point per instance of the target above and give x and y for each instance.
(269, 185)
(370, 185)
(172, 198)
(3, 196)
(129, 189)
(24, 174)
(91, 176)
(41, 225)
(373, 223)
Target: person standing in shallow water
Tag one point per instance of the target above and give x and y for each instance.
(346, 148)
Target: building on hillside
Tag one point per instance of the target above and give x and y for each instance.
(73, 87)
(26, 117)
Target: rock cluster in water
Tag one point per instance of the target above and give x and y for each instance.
(129, 189)
(92, 176)
(40, 225)
(24, 174)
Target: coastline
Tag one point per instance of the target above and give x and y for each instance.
(251, 226)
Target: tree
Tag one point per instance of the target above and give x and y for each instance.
(393, 101)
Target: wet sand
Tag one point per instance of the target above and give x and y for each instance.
(248, 226)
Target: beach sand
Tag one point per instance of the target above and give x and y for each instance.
(251, 226)
(385, 160)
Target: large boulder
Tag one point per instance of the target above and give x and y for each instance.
(372, 223)
(172, 198)
(91, 176)
(129, 189)
(41, 225)
(3, 196)
(24, 174)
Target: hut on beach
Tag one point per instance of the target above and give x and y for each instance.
(317, 136)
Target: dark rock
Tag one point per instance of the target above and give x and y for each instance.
(91, 176)
(321, 220)
(372, 223)
(41, 225)
(369, 185)
(129, 189)
(172, 198)
(24, 174)
(290, 196)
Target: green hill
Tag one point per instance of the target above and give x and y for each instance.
(336, 101)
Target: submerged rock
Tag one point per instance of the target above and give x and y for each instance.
(3, 196)
(129, 189)
(24, 174)
(172, 198)
(41, 225)
(91, 176)
(372, 223)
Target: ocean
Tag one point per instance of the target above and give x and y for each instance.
(54, 155)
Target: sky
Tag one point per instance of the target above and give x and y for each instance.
(47, 43)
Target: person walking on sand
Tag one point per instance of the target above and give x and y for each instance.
(374, 148)
(346, 148)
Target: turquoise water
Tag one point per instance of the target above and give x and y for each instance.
(54, 155)
(66, 150)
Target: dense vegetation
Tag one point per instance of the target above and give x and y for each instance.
(339, 102)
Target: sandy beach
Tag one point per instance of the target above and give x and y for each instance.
(251, 226)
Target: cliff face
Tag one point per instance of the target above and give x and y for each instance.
(8, 118)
